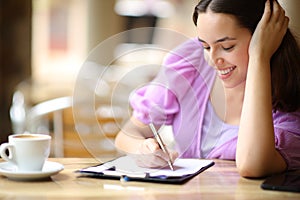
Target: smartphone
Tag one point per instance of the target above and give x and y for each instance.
(289, 181)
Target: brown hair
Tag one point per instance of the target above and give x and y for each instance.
(285, 62)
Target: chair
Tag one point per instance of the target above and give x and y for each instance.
(45, 117)
(70, 137)
(36, 116)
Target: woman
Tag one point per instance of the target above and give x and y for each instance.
(250, 51)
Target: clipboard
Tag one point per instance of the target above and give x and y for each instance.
(125, 169)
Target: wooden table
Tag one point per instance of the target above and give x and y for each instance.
(218, 182)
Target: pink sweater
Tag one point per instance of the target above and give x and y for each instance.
(178, 96)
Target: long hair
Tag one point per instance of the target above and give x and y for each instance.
(285, 62)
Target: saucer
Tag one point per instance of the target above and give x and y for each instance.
(49, 169)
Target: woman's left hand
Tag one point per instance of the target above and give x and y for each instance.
(256, 119)
(270, 31)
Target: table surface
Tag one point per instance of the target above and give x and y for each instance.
(221, 181)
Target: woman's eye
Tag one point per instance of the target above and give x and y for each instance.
(228, 48)
(206, 47)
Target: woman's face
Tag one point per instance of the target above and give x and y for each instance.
(225, 46)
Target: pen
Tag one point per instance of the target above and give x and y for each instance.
(161, 144)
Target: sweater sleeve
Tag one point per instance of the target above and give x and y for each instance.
(287, 137)
(159, 100)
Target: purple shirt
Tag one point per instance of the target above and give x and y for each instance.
(179, 95)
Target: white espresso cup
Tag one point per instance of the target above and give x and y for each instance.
(28, 152)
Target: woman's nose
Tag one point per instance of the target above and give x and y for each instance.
(219, 62)
(216, 58)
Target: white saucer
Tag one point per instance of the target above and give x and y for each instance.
(49, 169)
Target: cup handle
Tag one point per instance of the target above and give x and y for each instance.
(3, 148)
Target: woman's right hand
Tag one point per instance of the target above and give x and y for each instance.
(150, 155)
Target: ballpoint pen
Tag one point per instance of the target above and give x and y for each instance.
(161, 144)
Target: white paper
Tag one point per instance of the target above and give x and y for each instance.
(126, 166)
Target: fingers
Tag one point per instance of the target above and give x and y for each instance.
(174, 155)
(286, 23)
(148, 146)
(151, 155)
(154, 160)
(150, 161)
(278, 11)
(274, 15)
(278, 14)
(273, 11)
(267, 12)
(279, 17)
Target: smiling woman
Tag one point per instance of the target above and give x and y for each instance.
(226, 45)
(247, 48)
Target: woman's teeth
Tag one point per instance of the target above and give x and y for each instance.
(226, 71)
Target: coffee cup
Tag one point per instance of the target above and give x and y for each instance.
(28, 152)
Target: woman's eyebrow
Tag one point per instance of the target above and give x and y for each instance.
(219, 40)
(201, 40)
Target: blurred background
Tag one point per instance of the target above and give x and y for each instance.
(43, 44)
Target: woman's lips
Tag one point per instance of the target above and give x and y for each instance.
(225, 73)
